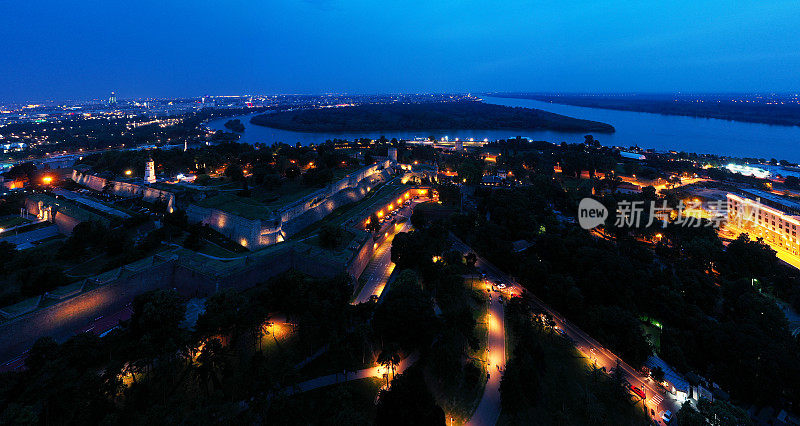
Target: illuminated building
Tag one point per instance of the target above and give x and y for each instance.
(150, 171)
(748, 170)
(777, 228)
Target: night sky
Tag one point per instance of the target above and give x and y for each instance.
(85, 49)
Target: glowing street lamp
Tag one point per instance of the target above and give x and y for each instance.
(128, 172)
(46, 180)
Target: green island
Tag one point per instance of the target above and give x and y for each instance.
(425, 116)
(235, 125)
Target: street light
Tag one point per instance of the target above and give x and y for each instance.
(128, 172)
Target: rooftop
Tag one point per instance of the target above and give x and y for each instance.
(764, 195)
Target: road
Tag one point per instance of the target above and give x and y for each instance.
(488, 410)
(380, 267)
(656, 399)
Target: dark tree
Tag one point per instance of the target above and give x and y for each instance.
(409, 403)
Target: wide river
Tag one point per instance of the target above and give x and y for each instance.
(661, 132)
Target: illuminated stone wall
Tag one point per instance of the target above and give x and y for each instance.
(362, 257)
(246, 232)
(63, 319)
(125, 189)
(254, 233)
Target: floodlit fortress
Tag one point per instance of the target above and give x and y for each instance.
(761, 218)
(254, 225)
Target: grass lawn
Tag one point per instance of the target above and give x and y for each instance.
(22, 307)
(10, 222)
(66, 290)
(291, 190)
(89, 267)
(327, 364)
(212, 249)
(460, 400)
(347, 238)
(346, 403)
(245, 207)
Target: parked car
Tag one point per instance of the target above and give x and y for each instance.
(667, 416)
(638, 391)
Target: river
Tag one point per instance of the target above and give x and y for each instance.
(660, 132)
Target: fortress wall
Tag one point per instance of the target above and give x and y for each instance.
(125, 189)
(311, 201)
(65, 223)
(32, 207)
(246, 232)
(362, 258)
(90, 181)
(65, 318)
(339, 199)
(295, 216)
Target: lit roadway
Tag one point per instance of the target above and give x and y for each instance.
(380, 267)
(489, 408)
(594, 352)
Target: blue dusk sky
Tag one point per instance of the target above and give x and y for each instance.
(85, 49)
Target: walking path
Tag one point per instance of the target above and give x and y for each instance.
(656, 399)
(488, 410)
(333, 379)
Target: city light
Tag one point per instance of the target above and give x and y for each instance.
(46, 180)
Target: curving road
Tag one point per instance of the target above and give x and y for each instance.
(656, 399)
(380, 267)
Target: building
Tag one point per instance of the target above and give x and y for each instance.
(459, 145)
(628, 188)
(150, 171)
(748, 170)
(491, 180)
(632, 155)
(674, 383)
(393, 155)
(112, 100)
(777, 228)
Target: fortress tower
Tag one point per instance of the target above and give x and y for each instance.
(150, 171)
